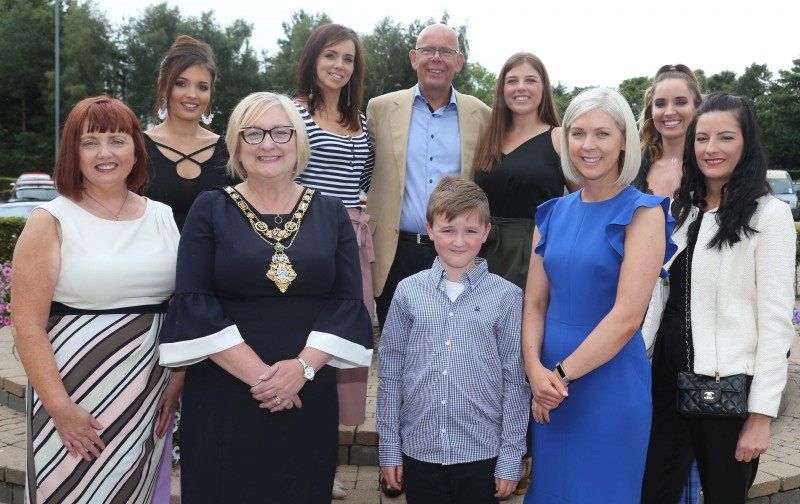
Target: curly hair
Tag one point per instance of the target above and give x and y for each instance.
(738, 198)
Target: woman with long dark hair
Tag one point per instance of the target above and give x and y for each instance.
(185, 156)
(728, 309)
(330, 80)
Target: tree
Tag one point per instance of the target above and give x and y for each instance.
(633, 90)
(479, 82)
(779, 119)
(87, 55)
(754, 84)
(388, 64)
(723, 81)
(147, 39)
(281, 69)
(26, 45)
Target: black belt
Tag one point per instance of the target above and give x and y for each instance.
(419, 239)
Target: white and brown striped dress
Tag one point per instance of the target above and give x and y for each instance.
(108, 305)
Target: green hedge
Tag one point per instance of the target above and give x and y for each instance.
(10, 228)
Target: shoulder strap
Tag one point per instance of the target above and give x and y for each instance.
(188, 157)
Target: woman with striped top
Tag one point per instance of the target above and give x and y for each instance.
(330, 82)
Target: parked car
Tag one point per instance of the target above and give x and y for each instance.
(40, 190)
(783, 189)
(18, 209)
(32, 176)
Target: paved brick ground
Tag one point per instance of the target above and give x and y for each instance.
(778, 480)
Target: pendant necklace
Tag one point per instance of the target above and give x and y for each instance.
(280, 271)
(116, 215)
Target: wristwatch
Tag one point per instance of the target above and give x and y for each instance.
(560, 370)
(308, 371)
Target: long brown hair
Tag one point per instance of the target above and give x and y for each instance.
(650, 138)
(351, 95)
(490, 147)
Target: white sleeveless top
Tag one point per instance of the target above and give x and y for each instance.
(109, 264)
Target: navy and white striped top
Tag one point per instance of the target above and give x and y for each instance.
(340, 165)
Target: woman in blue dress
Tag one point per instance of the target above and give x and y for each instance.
(588, 287)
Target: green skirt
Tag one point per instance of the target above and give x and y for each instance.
(508, 248)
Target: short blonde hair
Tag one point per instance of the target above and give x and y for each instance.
(454, 196)
(247, 112)
(615, 105)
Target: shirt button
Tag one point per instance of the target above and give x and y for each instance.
(431, 158)
(431, 136)
(450, 314)
(444, 430)
(447, 343)
(444, 372)
(444, 401)
(430, 181)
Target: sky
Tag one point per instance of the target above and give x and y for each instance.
(581, 42)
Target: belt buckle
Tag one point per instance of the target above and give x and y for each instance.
(419, 239)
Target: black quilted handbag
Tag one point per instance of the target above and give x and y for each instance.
(700, 395)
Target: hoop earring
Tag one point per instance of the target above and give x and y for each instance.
(162, 110)
(348, 93)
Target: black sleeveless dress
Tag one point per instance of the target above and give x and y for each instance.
(179, 193)
(523, 179)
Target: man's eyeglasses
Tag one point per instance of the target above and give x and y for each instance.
(255, 135)
(428, 52)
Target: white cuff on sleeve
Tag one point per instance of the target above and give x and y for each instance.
(184, 353)
(346, 354)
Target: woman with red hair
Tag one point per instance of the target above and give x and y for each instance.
(92, 272)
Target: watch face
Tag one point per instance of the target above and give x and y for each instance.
(308, 373)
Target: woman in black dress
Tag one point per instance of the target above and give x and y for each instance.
(185, 158)
(517, 163)
(267, 304)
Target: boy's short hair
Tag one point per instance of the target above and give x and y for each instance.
(454, 196)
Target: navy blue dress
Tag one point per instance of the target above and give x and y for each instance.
(232, 451)
(594, 448)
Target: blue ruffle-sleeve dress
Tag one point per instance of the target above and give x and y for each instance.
(594, 448)
(231, 450)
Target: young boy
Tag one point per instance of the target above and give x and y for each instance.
(453, 403)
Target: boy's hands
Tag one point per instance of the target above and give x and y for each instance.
(393, 475)
(504, 487)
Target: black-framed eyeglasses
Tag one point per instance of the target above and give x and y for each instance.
(429, 52)
(254, 135)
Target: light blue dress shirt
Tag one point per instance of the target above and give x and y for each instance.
(434, 150)
(452, 386)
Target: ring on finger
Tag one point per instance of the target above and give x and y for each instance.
(277, 400)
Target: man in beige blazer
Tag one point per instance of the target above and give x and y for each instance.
(419, 135)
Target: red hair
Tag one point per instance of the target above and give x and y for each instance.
(99, 114)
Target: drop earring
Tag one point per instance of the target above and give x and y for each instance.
(206, 119)
(162, 110)
(348, 93)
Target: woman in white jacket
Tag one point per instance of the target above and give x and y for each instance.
(739, 244)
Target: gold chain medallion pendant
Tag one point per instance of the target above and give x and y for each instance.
(280, 269)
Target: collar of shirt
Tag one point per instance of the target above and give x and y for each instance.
(438, 275)
(418, 98)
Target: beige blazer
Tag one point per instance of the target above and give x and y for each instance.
(388, 120)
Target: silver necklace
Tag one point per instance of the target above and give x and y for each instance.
(116, 215)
